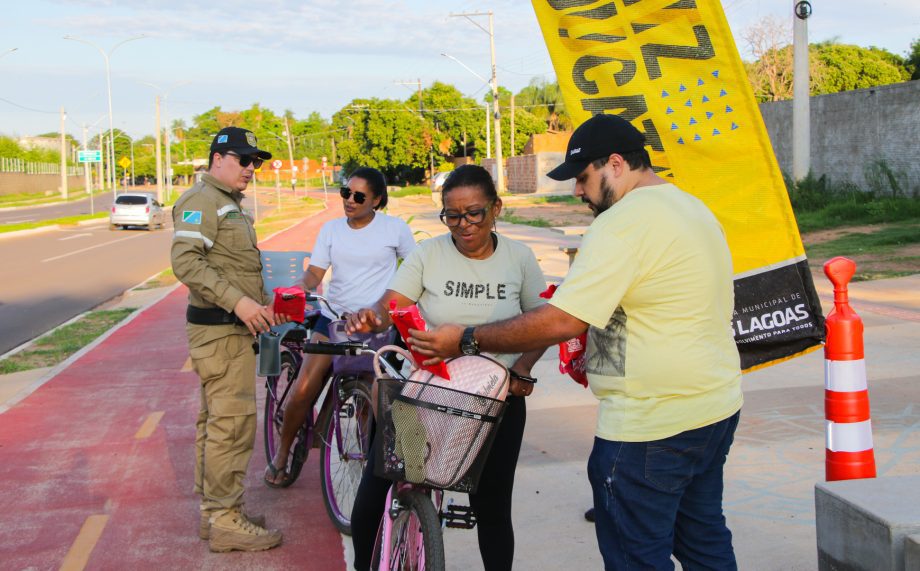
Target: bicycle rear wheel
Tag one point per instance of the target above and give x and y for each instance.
(415, 542)
(344, 447)
(278, 393)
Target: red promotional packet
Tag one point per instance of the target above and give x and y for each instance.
(290, 301)
(407, 318)
(571, 352)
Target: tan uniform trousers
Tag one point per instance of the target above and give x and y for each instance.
(226, 425)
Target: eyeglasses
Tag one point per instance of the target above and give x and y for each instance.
(246, 160)
(359, 197)
(452, 220)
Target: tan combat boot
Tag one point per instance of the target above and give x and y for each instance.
(204, 522)
(230, 531)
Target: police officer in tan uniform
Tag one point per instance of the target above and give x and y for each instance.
(214, 253)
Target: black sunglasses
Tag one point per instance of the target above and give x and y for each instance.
(246, 160)
(452, 220)
(345, 192)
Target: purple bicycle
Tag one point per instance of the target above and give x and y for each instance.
(340, 429)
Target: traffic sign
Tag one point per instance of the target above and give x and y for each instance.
(276, 164)
(124, 162)
(90, 156)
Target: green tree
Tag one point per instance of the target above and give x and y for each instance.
(544, 100)
(912, 62)
(848, 67)
(383, 133)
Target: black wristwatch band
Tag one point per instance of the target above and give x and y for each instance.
(468, 344)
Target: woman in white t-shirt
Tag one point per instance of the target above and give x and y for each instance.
(363, 249)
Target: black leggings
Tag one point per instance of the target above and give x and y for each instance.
(491, 502)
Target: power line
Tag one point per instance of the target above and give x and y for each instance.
(28, 108)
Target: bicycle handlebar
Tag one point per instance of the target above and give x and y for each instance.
(346, 348)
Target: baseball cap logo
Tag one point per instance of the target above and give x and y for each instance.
(251, 139)
(221, 139)
(574, 151)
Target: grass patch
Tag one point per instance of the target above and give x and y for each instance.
(67, 220)
(54, 348)
(163, 279)
(410, 191)
(508, 216)
(556, 199)
(880, 242)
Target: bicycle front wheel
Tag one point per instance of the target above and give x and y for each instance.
(344, 448)
(278, 393)
(415, 541)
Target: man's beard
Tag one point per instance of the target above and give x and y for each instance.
(606, 200)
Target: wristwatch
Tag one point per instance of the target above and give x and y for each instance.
(468, 344)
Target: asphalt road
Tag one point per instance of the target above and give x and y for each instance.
(101, 202)
(52, 276)
(49, 277)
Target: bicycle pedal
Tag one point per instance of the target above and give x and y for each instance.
(458, 517)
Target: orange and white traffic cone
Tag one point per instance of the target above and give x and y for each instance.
(849, 450)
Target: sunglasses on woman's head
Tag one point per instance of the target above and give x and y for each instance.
(359, 197)
(246, 160)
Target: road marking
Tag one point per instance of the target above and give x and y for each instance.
(74, 236)
(92, 248)
(83, 545)
(149, 425)
(19, 220)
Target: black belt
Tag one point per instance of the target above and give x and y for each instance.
(210, 316)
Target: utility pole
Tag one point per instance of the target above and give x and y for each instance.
(287, 133)
(159, 156)
(488, 133)
(511, 152)
(801, 119)
(63, 156)
(87, 179)
(500, 167)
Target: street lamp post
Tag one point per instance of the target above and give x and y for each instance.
(108, 86)
(168, 131)
(500, 169)
(488, 111)
(63, 155)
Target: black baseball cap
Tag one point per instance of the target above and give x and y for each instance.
(600, 136)
(238, 140)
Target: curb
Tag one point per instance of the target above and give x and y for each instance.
(34, 385)
(49, 227)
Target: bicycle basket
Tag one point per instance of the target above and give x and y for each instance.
(359, 364)
(434, 435)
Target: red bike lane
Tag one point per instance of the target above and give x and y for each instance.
(96, 466)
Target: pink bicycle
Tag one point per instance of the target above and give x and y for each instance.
(431, 438)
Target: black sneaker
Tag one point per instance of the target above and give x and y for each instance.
(589, 515)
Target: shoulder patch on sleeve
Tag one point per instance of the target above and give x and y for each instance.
(191, 216)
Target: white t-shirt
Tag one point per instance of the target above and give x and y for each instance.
(363, 261)
(450, 288)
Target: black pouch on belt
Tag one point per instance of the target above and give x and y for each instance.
(210, 316)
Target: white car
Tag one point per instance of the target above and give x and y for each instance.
(136, 209)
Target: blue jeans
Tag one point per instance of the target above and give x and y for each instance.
(655, 498)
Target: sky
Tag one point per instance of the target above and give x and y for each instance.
(306, 55)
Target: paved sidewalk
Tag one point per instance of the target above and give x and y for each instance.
(75, 448)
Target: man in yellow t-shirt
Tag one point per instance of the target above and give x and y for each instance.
(653, 287)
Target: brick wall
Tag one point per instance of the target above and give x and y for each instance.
(853, 129)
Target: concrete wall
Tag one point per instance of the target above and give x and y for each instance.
(853, 129)
(16, 183)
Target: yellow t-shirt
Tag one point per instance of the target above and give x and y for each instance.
(653, 278)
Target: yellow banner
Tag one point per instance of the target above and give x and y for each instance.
(672, 69)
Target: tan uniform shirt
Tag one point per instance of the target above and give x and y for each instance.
(214, 253)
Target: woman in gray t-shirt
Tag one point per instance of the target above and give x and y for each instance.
(470, 275)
